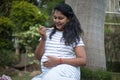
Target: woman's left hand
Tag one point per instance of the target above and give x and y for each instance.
(52, 61)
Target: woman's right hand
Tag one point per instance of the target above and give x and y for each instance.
(42, 31)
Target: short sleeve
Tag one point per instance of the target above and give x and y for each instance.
(80, 43)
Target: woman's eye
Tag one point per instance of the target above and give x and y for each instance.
(55, 17)
(60, 18)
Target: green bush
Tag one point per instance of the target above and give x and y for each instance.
(25, 14)
(88, 74)
(8, 71)
(113, 66)
(6, 57)
(112, 49)
(6, 28)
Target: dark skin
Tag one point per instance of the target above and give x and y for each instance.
(60, 20)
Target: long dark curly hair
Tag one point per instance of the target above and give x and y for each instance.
(72, 30)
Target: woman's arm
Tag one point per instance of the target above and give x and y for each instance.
(80, 60)
(40, 49)
(41, 46)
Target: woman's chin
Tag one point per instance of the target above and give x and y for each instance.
(60, 28)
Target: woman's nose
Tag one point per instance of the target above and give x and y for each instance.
(56, 20)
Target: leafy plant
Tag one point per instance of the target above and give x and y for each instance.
(29, 40)
(6, 28)
(89, 74)
(6, 57)
(25, 14)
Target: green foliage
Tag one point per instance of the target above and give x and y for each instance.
(6, 44)
(112, 18)
(88, 74)
(25, 14)
(5, 6)
(6, 57)
(50, 4)
(113, 66)
(28, 41)
(30, 37)
(26, 76)
(53, 3)
(107, 30)
(112, 50)
(6, 28)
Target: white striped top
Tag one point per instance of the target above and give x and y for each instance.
(56, 47)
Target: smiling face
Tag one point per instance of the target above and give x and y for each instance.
(60, 20)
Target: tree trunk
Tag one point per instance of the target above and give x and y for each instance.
(91, 14)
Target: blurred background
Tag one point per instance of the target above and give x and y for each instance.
(19, 23)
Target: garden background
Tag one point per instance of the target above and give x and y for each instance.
(19, 23)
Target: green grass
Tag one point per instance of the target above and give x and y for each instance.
(116, 76)
(24, 76)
